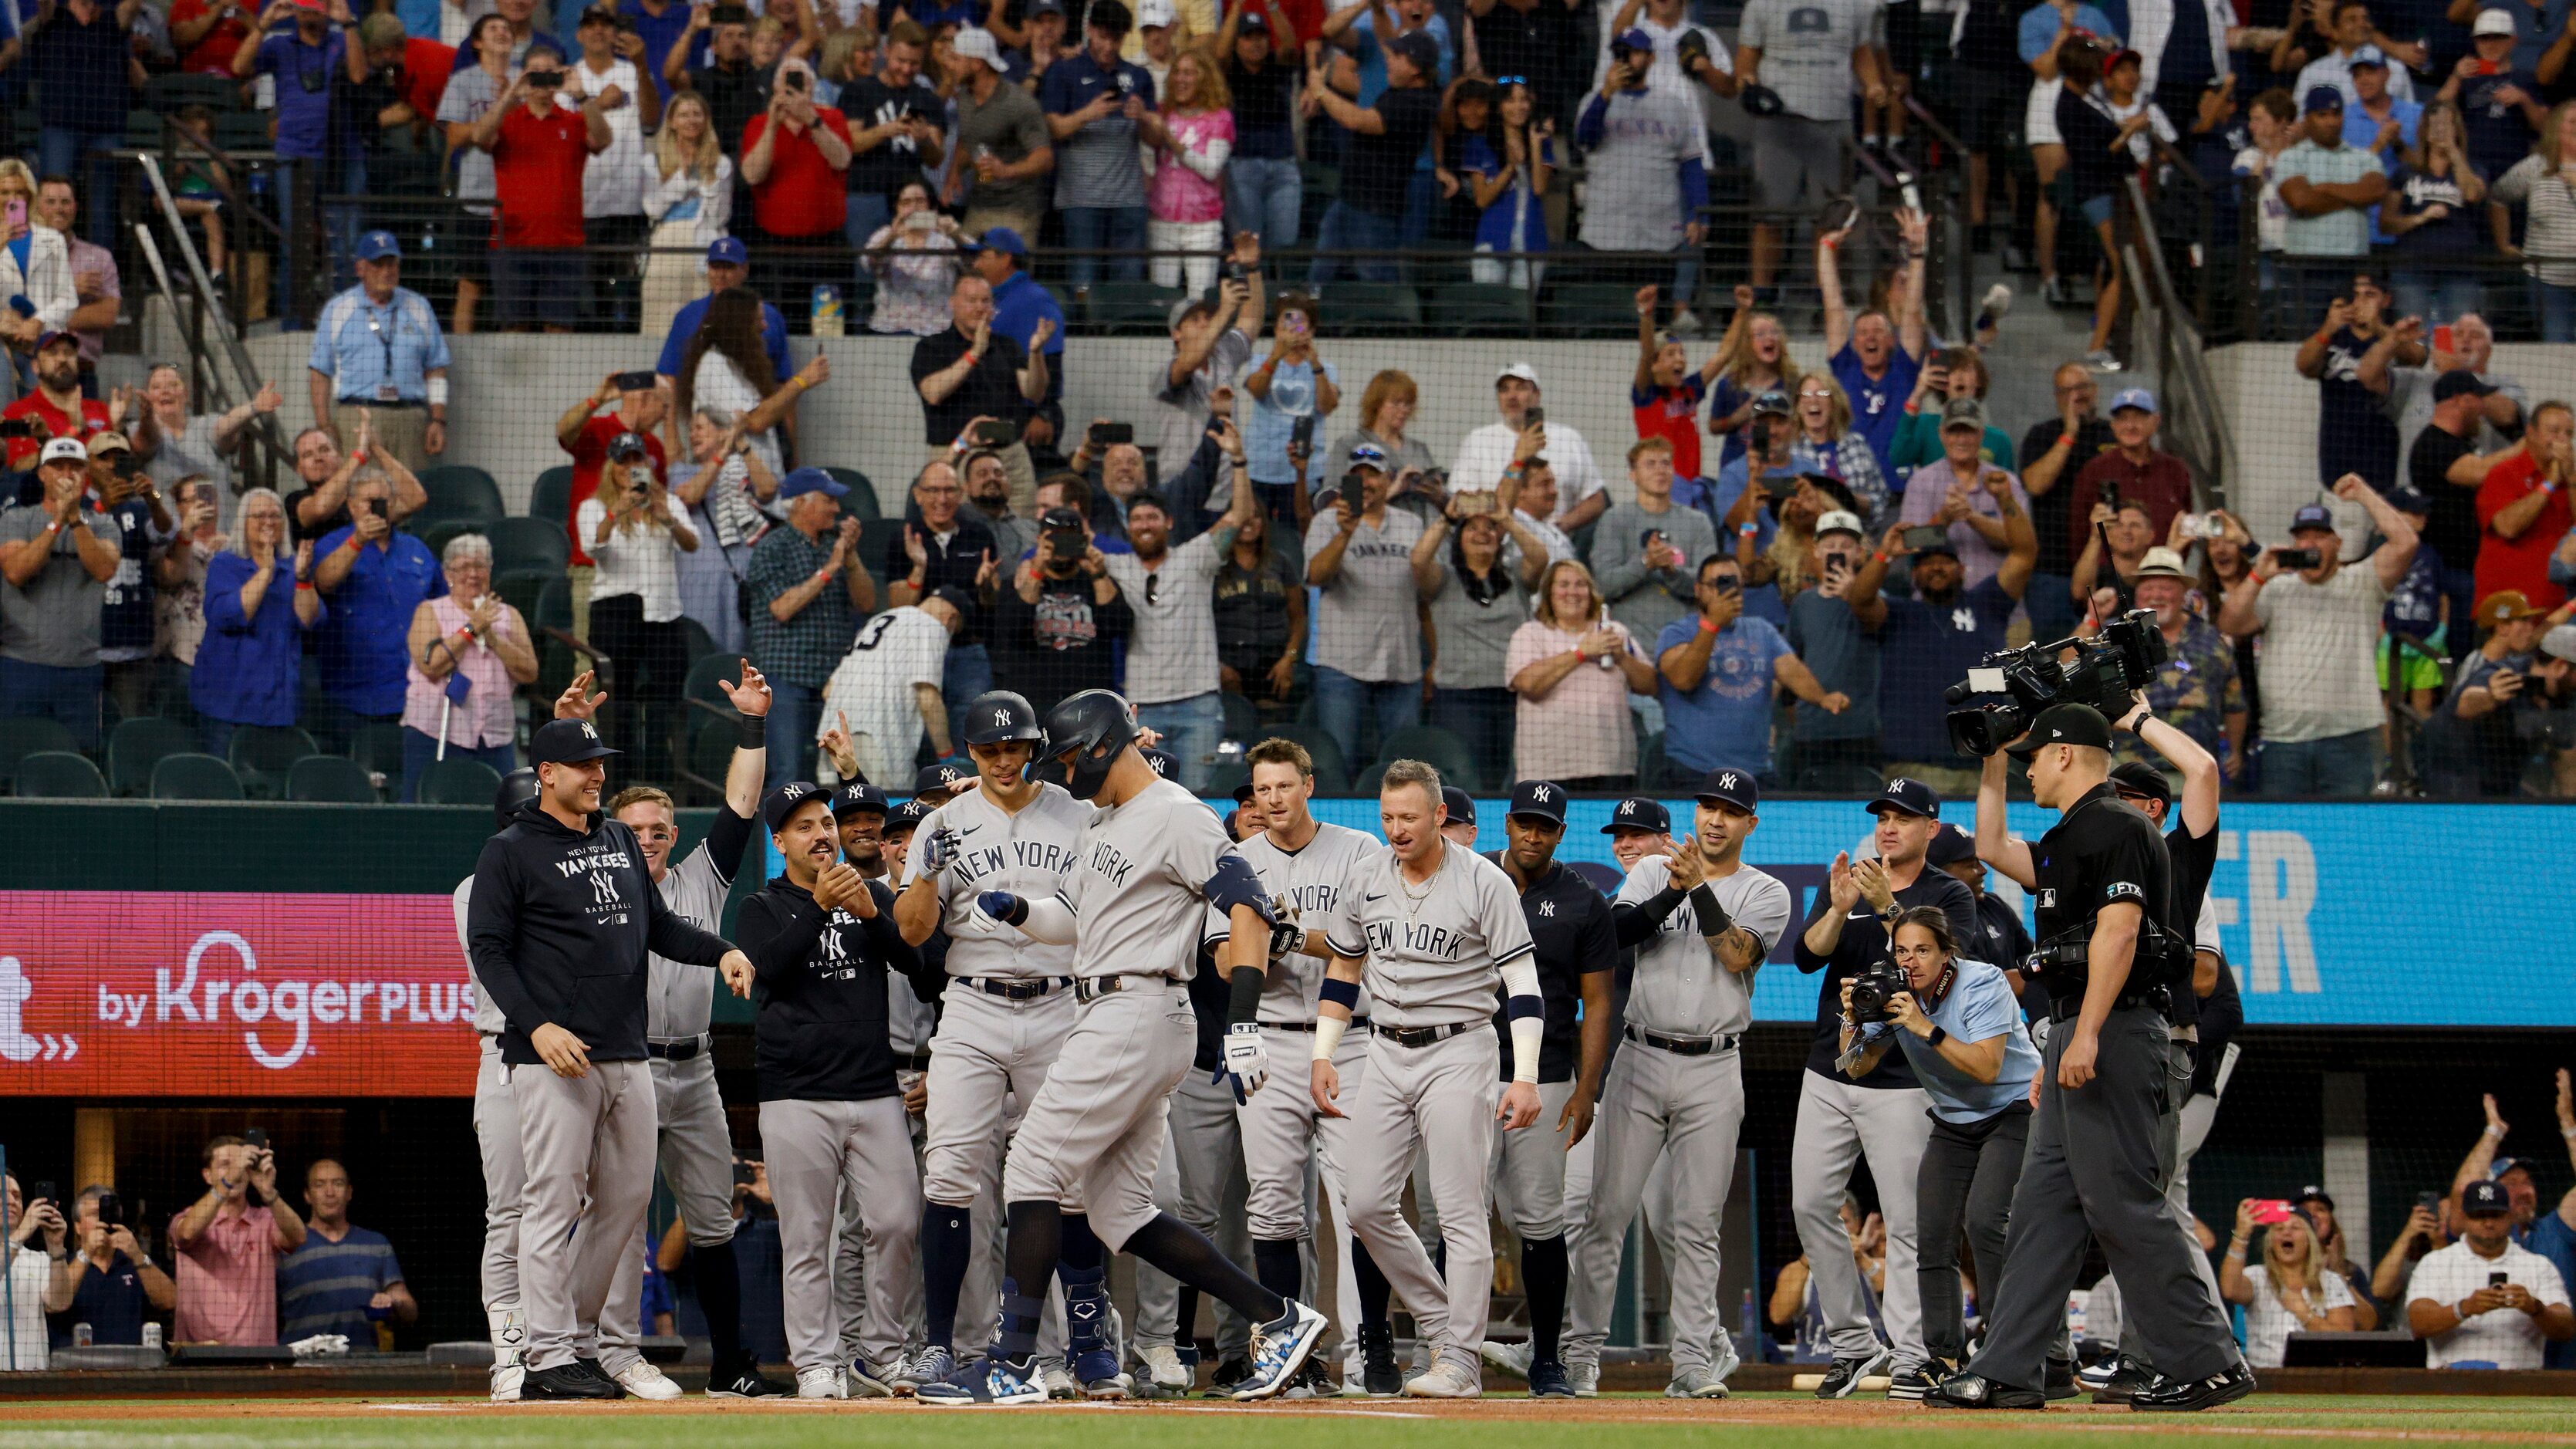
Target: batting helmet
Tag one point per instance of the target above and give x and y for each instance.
(998, 715)
(1093, 727)
(517, 788)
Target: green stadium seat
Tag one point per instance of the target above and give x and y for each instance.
(262, 754)
(139, 744)
(330, 780)
(1590, 309)
(1481, 310)
(521, 588)
(167, 93)
(1242, 720)
(458, 493)
(861, 502)
(1332, 772)
(378, 749)
(706, 753)
(1133, 307)
(703, 674)
(143, 130)
(1438, 748)
(27, 735)
(60, 775)
(550, 497)
(1371, 307)
(195, 777)
(459, 780)
(242, 131)
(528, 545)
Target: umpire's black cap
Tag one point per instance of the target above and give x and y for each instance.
(2064, 724)
(1461, 805)
(517, 788)
(998, 715)
(934, 780)
(781, 803)
(908, 815)
(1731, 787)
(1640, 812)
(1539, 800)
(859, 795)
(567, 742)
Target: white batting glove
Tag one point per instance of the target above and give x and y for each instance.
(1247, 1060)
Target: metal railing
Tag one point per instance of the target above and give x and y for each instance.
(2167, 342)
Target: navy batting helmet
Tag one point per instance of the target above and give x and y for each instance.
(1093, 727)
(517, 788)
(999, 715)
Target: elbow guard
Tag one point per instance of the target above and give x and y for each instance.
(1527, 1013)
(1237, 884)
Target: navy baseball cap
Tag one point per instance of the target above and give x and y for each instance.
(2484, 1200)
(2314, 515)
(2502, 1165)
(810, 480)
(1639, 812)
(2323, 98)
(1002, 239)
(2405, 499)
(1539, 799)
(628, 445)
(1420, 50)
(779, 804)
(934, 780)
(1243, 793)
(1461, 805)
(567, 742)
(728, 251)
(2462, 383)
(858, 795)
(2137, 777)
(1632, 38)
(49, 339)
(1909, 795)
(1165, 763)
(2064, 724)
(1948, 846)
(1731, 787)
(375, 246)
(907, 815)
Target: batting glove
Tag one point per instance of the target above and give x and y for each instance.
(1247, 1060)
(938, 851)
(1287, 938)
(1003, 906)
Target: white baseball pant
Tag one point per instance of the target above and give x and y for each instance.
(589, 1146)
(1839, 1123)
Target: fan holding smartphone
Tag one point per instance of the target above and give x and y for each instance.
(2487, 1301)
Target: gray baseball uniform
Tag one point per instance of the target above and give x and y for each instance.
(1676, 1088)
(1434, 954)
(1094, 1134)
(505, 1167)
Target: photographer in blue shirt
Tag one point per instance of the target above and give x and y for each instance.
(1961, 1031)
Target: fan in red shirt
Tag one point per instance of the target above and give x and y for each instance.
(585, 432)
(540, 148)
(793, 158)
(2522, 508)
(56, 405)
(207, 34)
(1666, 395)
(423, 65)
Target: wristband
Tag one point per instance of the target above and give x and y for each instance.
(1705, 626)
(972, 359)
(1243, 1003)
(1713, 920)
(822, 575)
(1878, 555)
(2066, 440)
(752, 733)
(302, 584)
(1912, 408)
(1748, 529)
(1328, 1035)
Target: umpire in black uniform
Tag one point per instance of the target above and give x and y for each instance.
(2105, 902)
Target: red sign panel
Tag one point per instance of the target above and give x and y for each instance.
(174, 994)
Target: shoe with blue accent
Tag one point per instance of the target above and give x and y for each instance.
(1094, 1343)
(937, 1364)
(998, 1382)
(1279, 1349)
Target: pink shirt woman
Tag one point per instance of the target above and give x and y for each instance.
(1574, 667)
(1187, 144)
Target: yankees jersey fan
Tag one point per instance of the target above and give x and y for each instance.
(1435, 951)
(488, 1020)
(1136, 887)
(1027, 854)
(823, 993)
(873, 687)
(1680, 987)
(1317, 882)
(680, 999)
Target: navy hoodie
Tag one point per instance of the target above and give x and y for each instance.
(560, 928)
(823, 1031)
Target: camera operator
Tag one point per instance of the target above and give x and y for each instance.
(2104, 881)
(1961, 1030)
(1052, 627)
(1877, 1115)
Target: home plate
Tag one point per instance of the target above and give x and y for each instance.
(1809, 1383)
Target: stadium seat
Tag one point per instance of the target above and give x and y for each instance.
(1441, 750)
(458, 493)
(24, 736)
(195, 777)
(262, 754)
(1332, 772)
(550, 498)
(521, 588)
(699, 643)
(330, 780)
(1133, 307)
(378, 749)
(1242, 720)
(1370, 308)
(143, 129)
(459, 780)
(1590, 309)
(59, 775)
(528, 545)
(707, 752)
(139, 744)
(861, 502)
(703, 674)
(876, 535)
(167, 93)
(1478, 309)
(241, 131)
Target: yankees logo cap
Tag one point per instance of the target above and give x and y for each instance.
(567, 742)
(934, 780)
(908, 815)
(1540, 800)
(1462, 806)
(1948, 846)
(855, 795)
(782, 803)
(1731, 787)
(1637, 812)
(1909, 795)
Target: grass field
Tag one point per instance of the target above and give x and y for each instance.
(1750, 1421)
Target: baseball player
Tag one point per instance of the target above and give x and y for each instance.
(822, 937)
(496, 1132)
(694, 1143)
(1881, 1115)
(1459, 828)
(1309, 866)
(1577, 954)
(1006, 1009)
(563, 920)
(1433, 929)
(1090, 1140)
(1701, 921)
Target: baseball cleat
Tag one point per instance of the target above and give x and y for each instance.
(1059, 1382)
(1510, 1358)
(1313, 1380)
(1447, 1379)
(936, 1364)
(506, 1381)
(1586, 1378)
(1165, 1371)
(1847, 1373)
(566, 1381)
(1279, 1349)
(896, 1374)
(864, 1380)
(820, 1383)
(2171, 1395)
(646, 1382)
(1228, 1377)
(744, 1382)
(1378, 1372)
(1975, 1391)
(1548, 1380)
(1909, 1385)
(988, 1381)
(1696, 1383)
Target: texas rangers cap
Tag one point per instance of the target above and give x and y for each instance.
(810, 480)
(2064, 724)
(1948, 846)
(2137, 777)
(1639, 812)
(778, 805)
(2133, 397)
(562, 741)
(1540, 800)
(64, 450)
(728, 251)
(2502, 1165)
(857, 795)
(2484, 1200)
(1631, 39)
(1460, 804)
(934, 780)
(907, 815)
(1731, 787)
(375, 246)
(1909, 795)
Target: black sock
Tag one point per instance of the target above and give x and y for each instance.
(1440, 1257)
(720, 1297)
(1029, 1255)
(947, 1243)
(1185, 1322)
(1183, 1252)
(1543, 1278)
(1077, 1248)
(1276, 1262)
(1371, 1284)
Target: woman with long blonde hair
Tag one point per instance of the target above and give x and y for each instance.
(690, 203)
(1752, 359)
(1574, 667)
(1188, 143)
(2288, 1292)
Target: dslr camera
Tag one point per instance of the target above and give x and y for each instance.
(1873, 988)
(1995, 704)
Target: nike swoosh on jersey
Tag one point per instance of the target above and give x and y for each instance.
(1379, 896)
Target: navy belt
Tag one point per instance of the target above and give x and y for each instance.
(675, 1051)
(912, 1061)
(1681, 1046)
(1423, 1036)
(1358, 1023)
(1017, 989)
